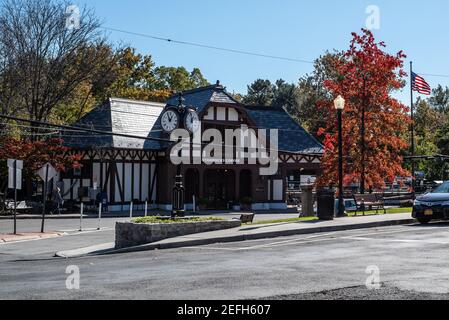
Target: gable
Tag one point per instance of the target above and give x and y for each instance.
(216, 113)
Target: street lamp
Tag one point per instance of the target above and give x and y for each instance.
(339, 104)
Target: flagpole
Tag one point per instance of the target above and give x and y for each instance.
(412, 129)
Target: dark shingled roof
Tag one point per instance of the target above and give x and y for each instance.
(143, 119)
(201, 97)
(292, 137)
(136, 118)
(198, 98)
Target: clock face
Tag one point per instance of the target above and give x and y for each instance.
(170, 120)
(192, 121)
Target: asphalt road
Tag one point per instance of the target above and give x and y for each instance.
(75, 239)
(412, 261)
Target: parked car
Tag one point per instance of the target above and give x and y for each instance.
(433, 205)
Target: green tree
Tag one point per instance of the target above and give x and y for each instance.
(311, 90)
(440, 99)
(260, 93)
(285, 96)
(124, 73)
(178, 78)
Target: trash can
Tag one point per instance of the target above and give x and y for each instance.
(326, 204)
(307, 201)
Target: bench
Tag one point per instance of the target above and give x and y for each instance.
(371, 200)
(247, 218)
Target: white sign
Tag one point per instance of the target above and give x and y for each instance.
(19, 164)
(11, 179)
(42, 172)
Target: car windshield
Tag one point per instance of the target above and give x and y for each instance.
(444, 188)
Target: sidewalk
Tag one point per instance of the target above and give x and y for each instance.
(252, 232)
(8, 238)
(260, 215)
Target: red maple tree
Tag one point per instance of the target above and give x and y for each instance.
(36, 154)
(374, 122)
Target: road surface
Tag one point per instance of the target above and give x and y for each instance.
(412, 261)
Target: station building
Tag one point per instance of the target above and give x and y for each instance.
(129, 168)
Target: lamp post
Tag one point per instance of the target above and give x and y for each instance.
(339, 104)
(178, 197)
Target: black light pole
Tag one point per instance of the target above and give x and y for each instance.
(178, 197)
(339, 106)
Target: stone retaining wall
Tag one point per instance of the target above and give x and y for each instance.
(128, 234)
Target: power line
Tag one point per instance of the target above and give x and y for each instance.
(434, 75)
(199, 45)
(106, 133)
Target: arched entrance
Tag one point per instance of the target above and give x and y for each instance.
(219, 186)
(245, 184)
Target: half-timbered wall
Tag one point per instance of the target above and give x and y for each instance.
(125, 175)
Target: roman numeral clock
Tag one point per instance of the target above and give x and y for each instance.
(181, 116)
(174, 118)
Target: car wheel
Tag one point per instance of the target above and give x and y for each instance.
(424, 220)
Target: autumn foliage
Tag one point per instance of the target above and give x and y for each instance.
(36, 154)
(367, 77)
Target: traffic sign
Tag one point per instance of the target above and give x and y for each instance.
(18, 185)
(19, 164)
(47, 171)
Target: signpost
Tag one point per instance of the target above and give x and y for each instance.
(15, 182)
(47, 173)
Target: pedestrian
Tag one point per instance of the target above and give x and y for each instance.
(58, 200)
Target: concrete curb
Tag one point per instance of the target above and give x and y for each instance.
(64, 217)
(237, 238)
(21, 237)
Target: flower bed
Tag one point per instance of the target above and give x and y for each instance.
(152, 229)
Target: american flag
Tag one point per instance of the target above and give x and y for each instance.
(420, 85)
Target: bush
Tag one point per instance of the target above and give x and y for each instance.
(159, 219)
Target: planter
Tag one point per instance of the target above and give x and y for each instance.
(128, 234)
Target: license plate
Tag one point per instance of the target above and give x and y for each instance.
(428, 212)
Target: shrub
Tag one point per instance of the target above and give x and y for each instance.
(159, 219)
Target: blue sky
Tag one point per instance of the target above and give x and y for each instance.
(292, 28)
